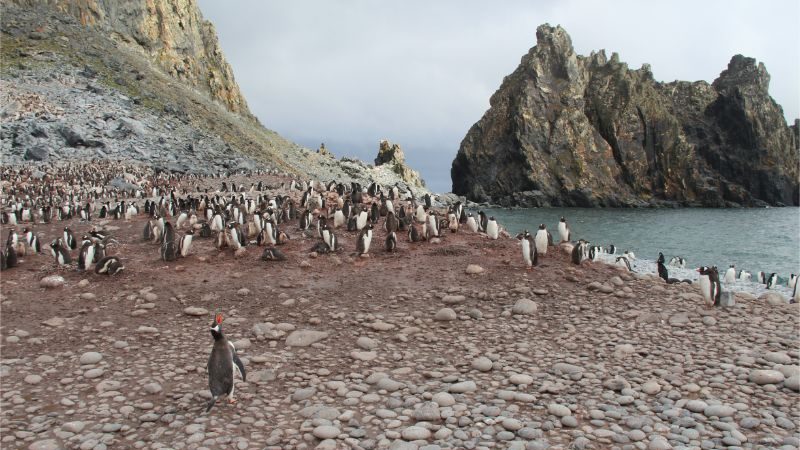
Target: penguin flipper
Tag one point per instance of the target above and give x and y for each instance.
(240, 366)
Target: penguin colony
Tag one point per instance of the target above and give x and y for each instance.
(176, 212)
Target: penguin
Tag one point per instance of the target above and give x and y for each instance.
(433, 225)
(745, 276)
(205, 230)
(563, 230)
(762, 277)
(541, 240)
(662, 270)
(332, 242)
(730, 275)
(630, 255)
(452, 222)
(222, 365)
(482, 221)
(364, 240)
(182, 218)
(361, 220)
(472, 224)
(795, 294)
(390, 244)
(169, 251)
(772, 281)
(579, 252)
(273, 254)
(414, 235)
(611, 249)
(624, 262)
(374, 213)
(492, 229)
(69, 239)
(792, 281)
(709, 285)
(86, 256)
(677, 261)
(60, 252)
(391, 224)
(185, 244)
(339, 219)
(419, 213)
(34, 243)
(10, 257)
(529, 254)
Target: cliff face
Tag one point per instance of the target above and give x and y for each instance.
(569, 130)
(172, 33)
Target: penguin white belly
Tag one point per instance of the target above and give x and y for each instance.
(472, 224)
(492, 230)
(526, 252)
(338, 219)
(434, 226)
(563, 232)
(420, 215)
(705, 288)
(730, 275)
(361, 222)
(541, 242)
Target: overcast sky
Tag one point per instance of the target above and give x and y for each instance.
(420, 73)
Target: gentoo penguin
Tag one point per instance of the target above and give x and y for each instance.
(69, 239)
(630, 255)
(60, 252)
(273, 254)
(182, 218)
(677, 261)
(762, 277)
(361, 220)
(792, 281)
(730, 275)
(86, 256)
(433, 225)
(563, 230)
(492, 229)
(541, 240)
(772, 281)
(413, 234)
(795, 294)
(390, 245)
(10, 257)
(529, 254)
(205, 230)
(611, 249)
(452, 222)
(710, 286)
(169, 251)
(222, 363)
(624, 262)
(364, 240)
(580, 251)
(745, 276)
(472, 224)
(339, 220)
(110, 265)
(391, 224)
(663, 273)
(185, 244)
(482, 221)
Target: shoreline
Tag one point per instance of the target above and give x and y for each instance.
(400, 350)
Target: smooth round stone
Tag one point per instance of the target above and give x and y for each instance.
(569, 421)
(445, 314)
(511, 424)
(558, 410)
(778, 358)
(427, 412)
(47, 444)
(482, 364)
(73, 427)
(91, 358)
(326, 432)
(719, 411)
(696, 406)
(462, 387)
(33, 379)
(793, 383)
(93, 373)
(415, 433)
(762, 377)
(443, 399)
(520, 378)
(636, 435)
(651, 388)
(659, 444)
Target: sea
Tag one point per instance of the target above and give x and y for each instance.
(762, 239)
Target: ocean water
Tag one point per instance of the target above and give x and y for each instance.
(764, 239)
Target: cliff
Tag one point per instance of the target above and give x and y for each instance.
(564, 129)
(172, 33)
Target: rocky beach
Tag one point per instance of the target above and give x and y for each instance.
(443, 344)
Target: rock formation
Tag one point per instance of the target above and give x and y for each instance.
(565, 129)
(392, 156)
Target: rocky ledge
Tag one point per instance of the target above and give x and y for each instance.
(569, 130)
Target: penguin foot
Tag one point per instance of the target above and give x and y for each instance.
(232, 401)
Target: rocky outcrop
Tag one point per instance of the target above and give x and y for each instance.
(564, 129)
(392, 156)
(171, 33)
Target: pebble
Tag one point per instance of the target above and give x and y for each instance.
(415, 433)
(524, 306)
(445, 314)
(482, 364)
(304, 338)
(326, 432)
(33, 379)
(91, 358)
(195, 311)
(762, 377)
(462, 387)
(52, 281)
(474, 269)
(558, 410)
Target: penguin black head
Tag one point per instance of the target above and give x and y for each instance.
(563, 219)
(216, 327)
(542, 227)
(660, 258)
(491, 217)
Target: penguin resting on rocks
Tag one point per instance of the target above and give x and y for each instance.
(222, 363)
